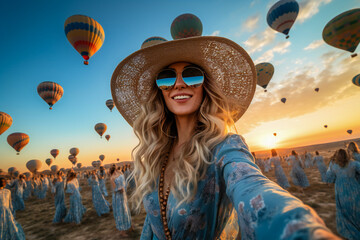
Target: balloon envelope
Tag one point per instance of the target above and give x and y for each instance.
(284, 100)
(274, 134)
(317, 89)
(110, 104)
(107, 137)
(356, 80)
(18, 141)
(5, 122)
(54, 152)
(79, 165)
(325, 126)
(343, 30)
(48, 161)
(33, 165)
(11, 170)
(51, 92)
(282, 15)
(349, 131)
(186, 25)
(54, 168)
(264, 72)
(74, 151)
(151, 41)
(100, 128)
(85, 34)
(102, 157)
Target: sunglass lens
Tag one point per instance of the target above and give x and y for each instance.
(193, 76)
(166, 79)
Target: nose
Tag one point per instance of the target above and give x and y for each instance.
(179, 84)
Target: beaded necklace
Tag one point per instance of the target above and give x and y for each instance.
(163, 198)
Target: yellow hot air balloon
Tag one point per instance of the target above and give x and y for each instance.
(51, 92)
(85, 34)
(18, 141)
(5, 122)
(100, 128)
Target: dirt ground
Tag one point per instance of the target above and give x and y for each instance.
(36, 219)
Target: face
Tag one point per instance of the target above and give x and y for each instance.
(182, 100)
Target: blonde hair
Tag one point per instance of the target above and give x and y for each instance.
(156, 131)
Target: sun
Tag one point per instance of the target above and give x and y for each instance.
(269, 142)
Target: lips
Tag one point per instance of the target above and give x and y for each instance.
(181, 96)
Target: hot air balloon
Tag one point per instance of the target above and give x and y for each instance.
(74, 151)
(33, 165)
(51, 92)
(79, 165)
(316, 89)
(85, 34)
(54, 152)
(16, 173)
(264, 72)
(110, 104)
(71, 158)
(186, 25)
(100, 128)
(356, 80)
(94, 164)
(343, 31)
(118, 159)
(284, 100)
(102, 157)
(282, 16)
(48, 161)
(11, 170)
(349, 131)
(5, 122)
(325, 126)
(274, 134)
(54, 168)
(151, 41)
(107, 137)
(18, 141)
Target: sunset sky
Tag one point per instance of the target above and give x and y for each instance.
(35, 49)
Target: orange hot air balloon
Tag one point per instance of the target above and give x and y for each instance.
(100, 128)
(5, 122)
(18, 141)
(274, 134)
(54, 152)
(74, 151)
(85, 34)
(51, 92)
(107, 137)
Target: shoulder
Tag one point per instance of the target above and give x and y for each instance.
(6, 191)
(232, 141)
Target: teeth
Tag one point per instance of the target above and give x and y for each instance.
(181, 97)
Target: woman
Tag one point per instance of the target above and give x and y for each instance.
(343, 173)
(29, 187)
(308, 160)
(18, 187)
(100, 204)
(281, 179)
(181, 97)
(44, 186)
(9, 228)
(353, 151)
(319, 160)
(58, 190)
(121, 210)
(102, 181)
(297, 173)
(77, 209)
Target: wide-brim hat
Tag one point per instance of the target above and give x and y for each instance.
(224, 61)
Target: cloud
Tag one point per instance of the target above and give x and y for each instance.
(333, 79)
(314, 44)
(281, 48)
(309, 8)
(251, 23)
(215, 33)
(259, 40)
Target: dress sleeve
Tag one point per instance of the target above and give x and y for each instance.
(265, 210)
(330, 174)
(146, 233)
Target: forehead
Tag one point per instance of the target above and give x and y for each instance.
(179, 65)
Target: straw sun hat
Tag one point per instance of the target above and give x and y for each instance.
(225, 62)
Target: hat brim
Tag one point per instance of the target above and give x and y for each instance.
(224, 61)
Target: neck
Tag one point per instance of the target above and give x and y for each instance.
(185, 126)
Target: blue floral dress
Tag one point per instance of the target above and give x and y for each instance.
(264, 209)
(347, 195)
(308, 160)
(100, 204)
(28, 189)
(10, 229)
(279, 173)
(297, 173)
(60, 208)
(44, 188)
(121, 210)
(319, 160)
(18, 200)
(102, 183)
(77, 209)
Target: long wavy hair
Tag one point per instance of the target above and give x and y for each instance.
(156, 130)
(342, 158)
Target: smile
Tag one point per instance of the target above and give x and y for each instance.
(179, 97)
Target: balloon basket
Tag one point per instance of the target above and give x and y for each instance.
(86, 63)
(17, 153)
(353, 55)
(287, 37)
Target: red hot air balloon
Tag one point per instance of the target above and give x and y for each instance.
(349, 131)
(186, 25)
(284, 100)
(107, 137)
(51, 92)
(274, 134)
(18, 141)
(54, 152)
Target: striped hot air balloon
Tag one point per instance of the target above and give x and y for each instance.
(282, 16)
(5, 122)
(54, 152)
(356, 80)
(18, 141)
(51, 92)
(100, 128)
(186, 25)
(110, 104)
(151, 41)
(264, 72)
(85, 34)
(343, 31)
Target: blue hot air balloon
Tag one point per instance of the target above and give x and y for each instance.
(282, 16)
(356, 80)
